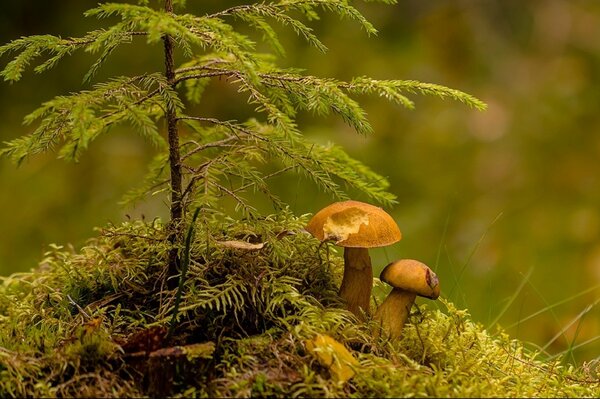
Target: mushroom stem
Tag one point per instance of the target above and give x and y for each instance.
(358, 281)
(393, 313)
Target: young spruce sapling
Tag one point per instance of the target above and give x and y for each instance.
(201, 158)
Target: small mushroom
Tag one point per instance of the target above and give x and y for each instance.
(356, 226)
(408, 278)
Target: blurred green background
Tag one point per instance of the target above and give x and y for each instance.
(503, 204)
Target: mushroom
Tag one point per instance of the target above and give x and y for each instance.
(408, 278)
(356, 226)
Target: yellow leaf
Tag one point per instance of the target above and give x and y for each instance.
(333, 355)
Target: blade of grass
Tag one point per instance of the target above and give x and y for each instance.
(548, 307)
(581, 344)
(569, 350)
(575, 319)
(555, 317)
(512, 298)
(472, 253)
(184, 266)
(554, 305)
(451, 264)
(442, 240)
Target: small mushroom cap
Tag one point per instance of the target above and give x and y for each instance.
(354, 224)
(413, 276)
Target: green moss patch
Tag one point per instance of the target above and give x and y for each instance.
(99, 323)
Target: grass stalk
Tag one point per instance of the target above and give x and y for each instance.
(184, 267)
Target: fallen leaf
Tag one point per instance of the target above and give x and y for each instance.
(333, 355)
(241, 245)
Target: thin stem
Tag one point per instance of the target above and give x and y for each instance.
(220, 143)
(200, 67)
(174, 156)
(198, 173)
(81, 42)
(202, 76)
(248, 208)
(280, 171)
(184, 267)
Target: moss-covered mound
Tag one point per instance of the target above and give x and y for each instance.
(98, 323)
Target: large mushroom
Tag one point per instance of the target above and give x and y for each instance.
(409, 278)
(356, 226)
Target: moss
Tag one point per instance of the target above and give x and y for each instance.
(95, 323)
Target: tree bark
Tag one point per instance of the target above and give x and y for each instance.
(174, 159)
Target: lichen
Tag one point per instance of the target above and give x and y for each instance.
(97, 323)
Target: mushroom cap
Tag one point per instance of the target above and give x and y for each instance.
(354, 224)
(413, 276)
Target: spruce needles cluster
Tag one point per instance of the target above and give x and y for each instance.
(215, 158)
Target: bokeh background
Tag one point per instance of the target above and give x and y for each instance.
(503, 204)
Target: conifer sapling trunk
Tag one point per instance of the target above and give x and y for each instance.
(174, 155)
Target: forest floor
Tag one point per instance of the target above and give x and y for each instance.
(250, 316)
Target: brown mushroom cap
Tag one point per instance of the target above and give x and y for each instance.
(354, 224)
(413, 276)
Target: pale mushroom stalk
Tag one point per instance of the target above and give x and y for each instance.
(394, 311)
(408, 278)
(357, 281)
